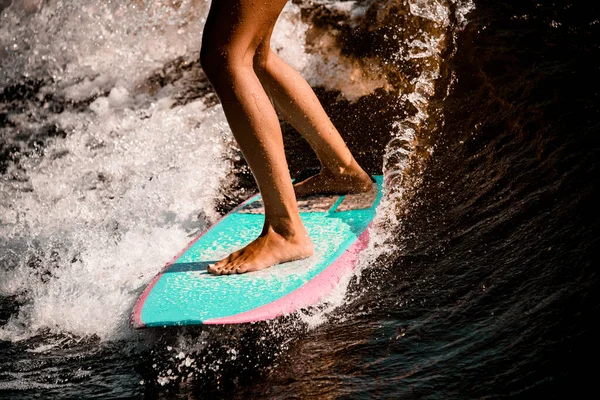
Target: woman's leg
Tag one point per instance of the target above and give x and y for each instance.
(233, 31)
(297, 103)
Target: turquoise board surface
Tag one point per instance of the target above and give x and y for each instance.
(185, 294)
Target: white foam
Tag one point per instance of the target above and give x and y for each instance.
(430, 9)
(325, 65)
(398, 155)
(116, 206)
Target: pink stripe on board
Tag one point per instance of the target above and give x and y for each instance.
(308, 294)
(136, 315)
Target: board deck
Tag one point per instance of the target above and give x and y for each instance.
(184, 293)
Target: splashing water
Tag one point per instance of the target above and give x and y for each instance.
(87, 219)
(119, 154)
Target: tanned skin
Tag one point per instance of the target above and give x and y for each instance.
(249, 79)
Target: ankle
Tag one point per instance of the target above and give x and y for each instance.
(349, 169)
(286, 228)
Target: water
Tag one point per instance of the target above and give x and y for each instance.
(480, 278)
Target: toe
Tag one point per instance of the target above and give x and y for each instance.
(212, 269)
(222, 265)
(232, 266)
(217, 268)
(249, 266)
(236, 265)
(238, 269)
(230, 269)
(241, 269)
(225, 270)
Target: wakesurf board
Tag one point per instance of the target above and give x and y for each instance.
(184, 293)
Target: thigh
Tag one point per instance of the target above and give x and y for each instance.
(240, 26)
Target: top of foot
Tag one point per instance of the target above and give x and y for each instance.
(267, 250)
(327, 183)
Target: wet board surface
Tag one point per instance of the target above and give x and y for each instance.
(184, 293)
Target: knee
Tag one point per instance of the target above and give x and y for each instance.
(260, 62)
(213, 60)
(224, 64)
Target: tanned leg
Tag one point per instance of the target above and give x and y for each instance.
(233, 31)
(297, 103)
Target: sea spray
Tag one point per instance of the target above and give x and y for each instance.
(137, 161)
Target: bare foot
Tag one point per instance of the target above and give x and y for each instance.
(350, 180)
(268, 249)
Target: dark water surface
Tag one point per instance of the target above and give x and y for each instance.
(484, 283)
